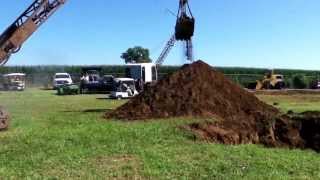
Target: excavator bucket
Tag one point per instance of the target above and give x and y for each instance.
(184, 28)
(185, 22)
(4, 119)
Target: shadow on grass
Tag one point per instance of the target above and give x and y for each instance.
(90, 111)
(46, 89)
(104, 98)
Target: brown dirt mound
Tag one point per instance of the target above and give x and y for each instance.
(197, 90)
(4, 119)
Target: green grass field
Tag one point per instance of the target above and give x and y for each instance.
(54, 137)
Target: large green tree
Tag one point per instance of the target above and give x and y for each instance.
(136, 54)
(299, 81)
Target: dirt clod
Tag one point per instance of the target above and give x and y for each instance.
(197, 90)
(4, 119)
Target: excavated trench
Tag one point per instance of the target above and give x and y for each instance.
(309, 127)
(198, 90)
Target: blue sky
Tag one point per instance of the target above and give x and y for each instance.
(249, 33)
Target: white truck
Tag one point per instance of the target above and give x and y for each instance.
(60, 79)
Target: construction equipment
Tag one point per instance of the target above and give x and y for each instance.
(20, 30)
(184, 31)
(166, 50)
(271, 81)
(40, 10)
(146, 73)
(25, 25)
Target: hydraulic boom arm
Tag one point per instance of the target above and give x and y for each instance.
(26, 24)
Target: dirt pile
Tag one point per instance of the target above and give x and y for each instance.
(4, 119)
(197, 90)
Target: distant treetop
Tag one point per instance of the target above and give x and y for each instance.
(136, 54)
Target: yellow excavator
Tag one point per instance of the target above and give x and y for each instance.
(19, 31)
(271, 81)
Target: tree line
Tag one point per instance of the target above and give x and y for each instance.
(294, 78)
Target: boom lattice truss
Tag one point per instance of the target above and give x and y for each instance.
(25, 25)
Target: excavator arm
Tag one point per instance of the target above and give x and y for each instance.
(25, 25)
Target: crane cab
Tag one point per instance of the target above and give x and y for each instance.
(144, 72)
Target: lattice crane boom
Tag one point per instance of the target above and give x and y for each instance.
(25, 25)
(170, 44)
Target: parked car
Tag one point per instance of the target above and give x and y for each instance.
(13, 82)
(93, 82)
(60, 79)
(107, 83)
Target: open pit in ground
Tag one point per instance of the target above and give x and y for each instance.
(309, 127)
(197, 90)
